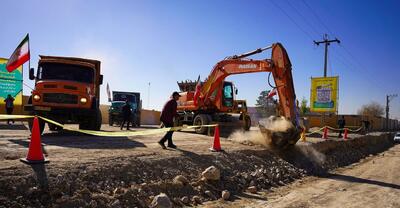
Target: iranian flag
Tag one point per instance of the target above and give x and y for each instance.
(20, 55)
(272, 93)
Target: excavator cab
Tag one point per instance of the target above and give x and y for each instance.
(228, 94)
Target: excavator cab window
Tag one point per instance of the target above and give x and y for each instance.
(228, 94)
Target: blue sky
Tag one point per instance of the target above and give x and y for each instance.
(163, 42)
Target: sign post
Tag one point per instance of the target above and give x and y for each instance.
(324, 95)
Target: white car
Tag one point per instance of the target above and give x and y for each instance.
(397, 137)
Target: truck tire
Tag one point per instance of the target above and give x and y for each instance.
(247, 122)
(97, 120)
(53, 127)
(110, 120)
(93, 122)
(41, 125)
(200, 120)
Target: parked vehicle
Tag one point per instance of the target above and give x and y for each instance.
(115, 110)
(67, 90)
(397, 137)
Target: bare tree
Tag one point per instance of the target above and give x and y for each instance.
(372, 109)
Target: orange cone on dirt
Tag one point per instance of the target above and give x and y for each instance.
(35, 153)
(216, 144)
(345, 133)
(325, 135)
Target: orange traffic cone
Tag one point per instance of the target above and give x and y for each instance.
(345, 134)
(35, 153)
(325, 136)
(216, 144)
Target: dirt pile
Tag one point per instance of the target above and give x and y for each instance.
(136, 181)
(318, 158)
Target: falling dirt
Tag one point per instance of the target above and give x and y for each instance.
(267, 134)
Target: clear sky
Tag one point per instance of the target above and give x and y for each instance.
(162, 42)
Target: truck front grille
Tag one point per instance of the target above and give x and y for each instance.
(60, 98)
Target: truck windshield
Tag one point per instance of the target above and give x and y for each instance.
(57, 71)
(123, 97)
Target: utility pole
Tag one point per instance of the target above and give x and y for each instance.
(327, 42)
(148, 97)
(388, 98)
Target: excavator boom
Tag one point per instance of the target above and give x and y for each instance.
(203, 100)
(279, 65)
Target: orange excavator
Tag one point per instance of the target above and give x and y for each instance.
(213, 101)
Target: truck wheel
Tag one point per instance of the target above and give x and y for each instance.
(53, 127)
(110, 120)
(97, 121)
(200, 120)
(93, 122)
(247, 122)
(41, 125)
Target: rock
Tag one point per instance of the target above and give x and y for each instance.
(209, 194)
(181, 179)
(211, 173)
(196, 199)
(225, 195)
(93, 203)
(252, 189)
(161, 201)
(185, 200)
(116, 203)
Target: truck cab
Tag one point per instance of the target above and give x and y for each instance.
(67, 90)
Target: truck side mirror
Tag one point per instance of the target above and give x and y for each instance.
(31, 73)
(101, 79)
(236, 91)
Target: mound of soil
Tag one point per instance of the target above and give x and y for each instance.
(133, 182)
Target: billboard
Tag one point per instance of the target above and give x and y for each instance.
(10, 83)
(324, 94)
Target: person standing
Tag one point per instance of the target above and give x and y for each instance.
(126, 115)
(341, 124)
(168, 114)
(9, 101)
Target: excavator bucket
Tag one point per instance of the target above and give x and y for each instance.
(279, 132)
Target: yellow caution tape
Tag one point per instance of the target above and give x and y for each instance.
(138, 133)
(6, 117)
(315, 131)
(106, 133)
(335, 129)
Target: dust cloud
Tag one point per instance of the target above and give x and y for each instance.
(314, 155)
(263, 136)
(253, 137)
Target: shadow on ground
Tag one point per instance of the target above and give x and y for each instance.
(13, 126)
(85, 142)
(353, 179)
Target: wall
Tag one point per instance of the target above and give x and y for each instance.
(148, 117)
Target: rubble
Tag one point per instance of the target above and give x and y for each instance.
(161, 201)
(137, 182)
(211, 173)
(225, 195)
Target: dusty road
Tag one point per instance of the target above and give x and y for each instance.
(373, 182)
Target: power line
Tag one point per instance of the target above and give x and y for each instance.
(317, 17)
(303, 17)
(291, 19)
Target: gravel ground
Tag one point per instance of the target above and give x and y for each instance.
(129, 172)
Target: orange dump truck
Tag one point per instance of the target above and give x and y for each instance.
(67, 90)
